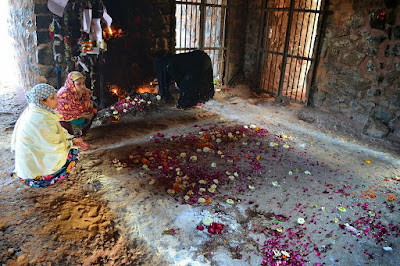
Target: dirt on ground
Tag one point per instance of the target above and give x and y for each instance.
(287, 183)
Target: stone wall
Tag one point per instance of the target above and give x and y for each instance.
(236, 32)
(358, 72)
(252, 35)
(44, 44)
(30, 21)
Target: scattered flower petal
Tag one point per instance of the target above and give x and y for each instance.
(207, 221)
(301, 220)
(284, 253)
(201, 200)
(273, 144)
(206, 149)
(230, 201)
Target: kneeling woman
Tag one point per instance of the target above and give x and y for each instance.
(44, 151)
(75, 105)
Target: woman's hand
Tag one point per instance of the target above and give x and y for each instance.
(77, 141)
(82, 145)
(87, 115)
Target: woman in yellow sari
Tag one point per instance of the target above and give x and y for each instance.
(44, 151)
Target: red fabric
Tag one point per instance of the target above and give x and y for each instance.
(69, 105)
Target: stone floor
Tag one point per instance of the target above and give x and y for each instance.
(323, 192)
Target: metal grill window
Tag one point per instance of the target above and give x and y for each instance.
(287, 48)
(200, 24)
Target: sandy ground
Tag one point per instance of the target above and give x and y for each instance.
(288, 185)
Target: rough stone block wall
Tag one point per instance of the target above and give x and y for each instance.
(44, 45)
(162, 23)
(253, 24)
(359, 68)
(236, 32)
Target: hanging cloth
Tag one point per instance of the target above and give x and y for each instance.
(88, 16)
(57, 6)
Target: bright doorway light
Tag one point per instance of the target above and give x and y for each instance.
(9, 75)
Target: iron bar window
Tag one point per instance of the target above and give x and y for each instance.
(200, 24)
(287, 47)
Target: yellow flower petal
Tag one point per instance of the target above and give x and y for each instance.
(230, 201)
(201, 200)
(207, 221)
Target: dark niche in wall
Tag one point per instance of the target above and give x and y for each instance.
(391, 3)
(128, 61)
(378, 19)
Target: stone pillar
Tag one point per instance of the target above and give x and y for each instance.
(23, 31)
(44, 44)
(254, 20)
(235, 36)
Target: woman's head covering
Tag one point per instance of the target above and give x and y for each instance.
(75, 75)
(40, 92)
(69, 81)
(71, 102)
